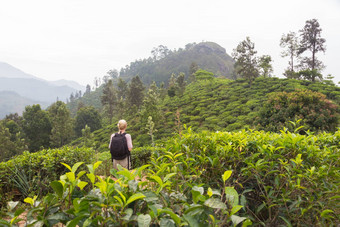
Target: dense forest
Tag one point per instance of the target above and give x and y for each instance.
(217, 141)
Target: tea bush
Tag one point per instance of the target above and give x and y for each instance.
(32, 172)
(204, 179)
(283, 179)
(131, 199)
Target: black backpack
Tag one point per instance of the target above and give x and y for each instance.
(118, 147)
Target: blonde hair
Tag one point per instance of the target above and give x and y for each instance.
(122, 124)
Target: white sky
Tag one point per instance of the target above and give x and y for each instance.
(83, 39)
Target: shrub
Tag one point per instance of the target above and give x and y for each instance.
(37, 170)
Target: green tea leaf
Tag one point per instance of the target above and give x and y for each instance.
(96, 165)
(235, 209)
(237, 220)
(58, 188)
(29, 200)
(325, 213)
(67, 166)
(82, 184)
(71, 177)
(165, 222)
(209, 192)
(167, 177)
(76, 166)
(172, 215)
(128, 215)
(231, 195)
(215, 203)
(247, 223)
(134, 197)
(158, 180)
(286, 220)
(144, 220)
(192, 221)
(226, 175)
(80, 174)
(92, 177)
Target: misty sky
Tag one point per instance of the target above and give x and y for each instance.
(83, 39)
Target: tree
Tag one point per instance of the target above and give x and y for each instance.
(109, 99)
(113, 73)
(193, 68)
(87, 136)
(291, 43)
(122, 89)
(265, 66)
(151, 105)
(317, 112)
(62, 130)
(88, 89)
(87, 116)
(246, 60)
(37, 127)
(181, 83)
(135, 92)
(311, 40)
(160, 52)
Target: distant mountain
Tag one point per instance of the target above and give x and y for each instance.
(11, 102)
(33, 90)
(36, 89)
(8, 71)
(68, 83)
(207, 55)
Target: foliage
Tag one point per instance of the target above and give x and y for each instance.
(109, 99)
(130, 199)
(282, 179)
(39, 169)
(316, 112)
(87, 116)
(290, 42)
(246, 60)
(217, 105)
(62, 123)
(135, 94)
(205, 179)
(37, 127)
(8, 147)
(311, 40)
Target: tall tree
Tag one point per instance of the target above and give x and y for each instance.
(291, 44)
(193, 68)
(113, 74)
(311, 40)
(136, 92)
(62, 130)
(109, 99)
(87, 116)
(37, 127)
(246, 60)
(122, 88)
(265, 66)
(88, 89)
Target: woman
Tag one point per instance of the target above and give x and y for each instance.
(121, 146)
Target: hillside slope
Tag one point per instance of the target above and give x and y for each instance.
(214, 105)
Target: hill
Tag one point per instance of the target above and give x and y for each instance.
(213, 105)
(33, 90)
(8, 71)
(11, 102)
(207, 55)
